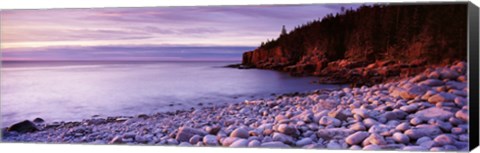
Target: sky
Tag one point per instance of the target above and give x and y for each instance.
(150, 33)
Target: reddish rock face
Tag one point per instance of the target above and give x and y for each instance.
(369, 45)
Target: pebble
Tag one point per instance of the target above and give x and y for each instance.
(356, 138)
(210, 140)
(400, 138)
(240, 132)
(239, 143)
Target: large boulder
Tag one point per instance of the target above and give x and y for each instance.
(23, 127)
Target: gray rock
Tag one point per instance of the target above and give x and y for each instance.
(210, 140)
(287, 129)
(240, 133)
(333, 145)
(433, 113)
(172, 141)
(400, 138)
(228, 141)
(304, 142)
(274, 144)
(458, 130)
(361, 112)
(185, 144)
(372, 147)
(213, 129)
(409, 108)
(327, 120)
(356, 138)
(427, 144)
(416, 120)
(240, 143)
(462, 114)
(423, 139)
(443, 139)
(369, 122)
(358, 127)
(416, 133)
(185, 133)
(282, 138)
(410, 92)
(376, 139)
(254, 143)
(338, 114)
(195, 139)
(403, 126)
(460, 101)
(441, 97)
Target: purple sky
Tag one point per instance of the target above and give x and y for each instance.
(148, 33)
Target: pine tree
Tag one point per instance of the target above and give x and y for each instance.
(284, 32)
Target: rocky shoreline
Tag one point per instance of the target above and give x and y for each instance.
(425, 112)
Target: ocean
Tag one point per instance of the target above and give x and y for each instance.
(72, 91)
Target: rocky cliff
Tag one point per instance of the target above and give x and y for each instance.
(370, 44)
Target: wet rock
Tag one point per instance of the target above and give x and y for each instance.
(23, 127)
(356, 138)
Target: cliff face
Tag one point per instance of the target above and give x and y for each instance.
(372, 43)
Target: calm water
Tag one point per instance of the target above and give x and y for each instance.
(71, 91)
